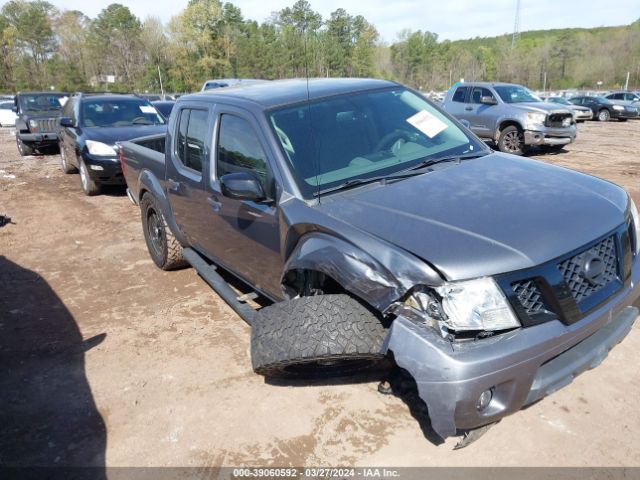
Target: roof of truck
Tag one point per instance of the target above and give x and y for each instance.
(284, 92)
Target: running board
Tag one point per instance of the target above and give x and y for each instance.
(221, 287)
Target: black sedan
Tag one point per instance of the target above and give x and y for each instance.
(92, 124)
(604, 109)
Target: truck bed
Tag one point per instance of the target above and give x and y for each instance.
(140, 154)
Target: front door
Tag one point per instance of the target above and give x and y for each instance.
(481, 116)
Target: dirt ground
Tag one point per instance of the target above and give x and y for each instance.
(106, 360)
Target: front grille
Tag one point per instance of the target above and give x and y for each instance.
(529, 296)
(574, 276)
(559, 120)
(45, 125)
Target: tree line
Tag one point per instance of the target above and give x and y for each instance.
(42, 46)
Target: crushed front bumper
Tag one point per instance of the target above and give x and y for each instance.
(549, 137)
(519, 367)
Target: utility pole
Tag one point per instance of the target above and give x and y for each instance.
(626, 84)
(160, 77)
(544, 83)
(516, 26)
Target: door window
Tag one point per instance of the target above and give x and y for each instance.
(461, 92)
(191, 138)
(478, 93)
(239, 149)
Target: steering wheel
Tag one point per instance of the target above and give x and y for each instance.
(389, 139)
(141, 121)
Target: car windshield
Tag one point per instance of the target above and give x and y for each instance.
(42, 102)
(111, 112)
(561, 100)
(516, 94)
(345, 138)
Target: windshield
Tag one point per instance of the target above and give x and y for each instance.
(364, 135)
(42, 102)
(516, 94)
(123, 112)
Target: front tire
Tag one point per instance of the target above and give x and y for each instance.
(164, 248)
(319, 336)
(89, 186)
(512, 141)
(24, 149)
(604, 115)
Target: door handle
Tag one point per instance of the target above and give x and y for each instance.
(173, 185)
(468, 109)
(216, 205)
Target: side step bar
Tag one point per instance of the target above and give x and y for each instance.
(222, 288)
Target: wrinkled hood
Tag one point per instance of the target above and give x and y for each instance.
(111, 135)
(491, 215)
(542, 107)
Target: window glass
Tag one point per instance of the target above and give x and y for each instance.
(6, 105)
(239, 149)
(181, 137)
(461, 92)
(515, 94)
(196, 136)
(119, 112)
(479, 92)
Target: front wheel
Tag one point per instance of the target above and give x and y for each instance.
(319, 336)
(604, 115)
(89, 187)
(511, 141)
(164, 248)
(24, 148)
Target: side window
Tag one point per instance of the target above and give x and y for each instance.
(191, 138)
(459, 95)
(479, 92)
(239, 149)
(68, 110)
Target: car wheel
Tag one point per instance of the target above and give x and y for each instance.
(24, 148)
(604, 115)
(318, 336)
(511, 141)
(66, 168)
(89, 186)
(164, 248)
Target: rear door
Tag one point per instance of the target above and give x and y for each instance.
(187, 167)
(68, 135)
(456, 106)
(243, 235)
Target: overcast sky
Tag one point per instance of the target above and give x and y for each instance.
(450, 19)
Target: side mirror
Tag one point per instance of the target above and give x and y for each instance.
(487, 100)
(466, 123)
(66, 122)
(242, 186)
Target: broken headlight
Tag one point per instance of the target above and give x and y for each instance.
(472, 305)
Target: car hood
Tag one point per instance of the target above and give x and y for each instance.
(111, 135)
(487, 216)
(542, 107)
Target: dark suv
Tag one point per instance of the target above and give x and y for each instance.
(37, 122)
(91, 124)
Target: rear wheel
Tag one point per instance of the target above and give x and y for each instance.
(66, 168)
(320, 336)
(24, 148)
(89, 187)
(164, 248)
(512, 140)
(604, 115)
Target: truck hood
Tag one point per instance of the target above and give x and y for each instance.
(541, 107)
(487, 216)
(111, 135)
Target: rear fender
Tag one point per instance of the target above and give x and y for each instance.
(148, 182)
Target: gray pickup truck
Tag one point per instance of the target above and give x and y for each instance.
(370, 224)
(511, 116)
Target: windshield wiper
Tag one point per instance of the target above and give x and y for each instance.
(411, 172)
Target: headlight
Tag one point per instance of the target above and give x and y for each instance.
(33, 123)
(636, 223)
(100, 149)
(476, 305)
(618, 107)
(536, 118)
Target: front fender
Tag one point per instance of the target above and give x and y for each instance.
(148, 182)
(351, 267)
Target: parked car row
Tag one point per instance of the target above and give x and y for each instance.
(515, 118)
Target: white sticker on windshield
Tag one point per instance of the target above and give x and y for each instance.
(427, 123)
(147, 109)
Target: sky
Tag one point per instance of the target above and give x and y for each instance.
(450, 19)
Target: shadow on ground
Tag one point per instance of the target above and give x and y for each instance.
(48, 416)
